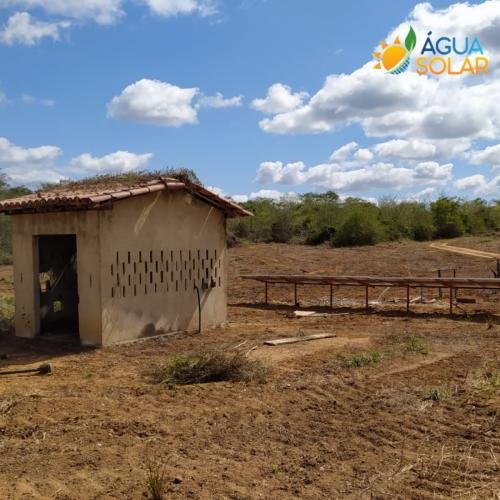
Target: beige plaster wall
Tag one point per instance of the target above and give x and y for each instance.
(154, 249)
(137, 264)
(86, 227)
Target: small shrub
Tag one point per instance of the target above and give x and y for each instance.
(359, 359)
(7, 310)
(281, 230)
(231, 240)
(422, 231)
(205, 367)
(239, 228)
(6, 260)
(435, 394)
(155, 481)
(320, 236)
(8, 300)
(416, 346)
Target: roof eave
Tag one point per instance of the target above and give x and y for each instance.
(106, 200)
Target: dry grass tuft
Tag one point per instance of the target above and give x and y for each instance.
(155, 480)
(488, 378)
(123, 179)
(210, 366)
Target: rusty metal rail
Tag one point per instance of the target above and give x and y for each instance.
(452, 284)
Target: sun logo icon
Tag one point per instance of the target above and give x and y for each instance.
(395, 58)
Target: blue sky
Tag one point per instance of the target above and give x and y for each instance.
(94, 86)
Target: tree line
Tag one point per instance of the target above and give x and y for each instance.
(325, 218)
(7, 191)
(315, 219)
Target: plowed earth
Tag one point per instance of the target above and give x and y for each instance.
(411, 425)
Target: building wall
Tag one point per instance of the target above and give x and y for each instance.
(154, 250)
(25, 252)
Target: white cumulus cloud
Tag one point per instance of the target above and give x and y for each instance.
(424, 117)
(120, 161)
(279, 99)
(12, 155)
(240, 198)
(219, 101)
(351, 168)
(36, 165)
(425, 195)
(272, 194)
(410, 149)
(489, 156)
(100, 11)
(21, 28)
(479, 185)
(273, 172)
(165, 104)
(344, 152)
(28, 165)
(155, 102)
(169, 8)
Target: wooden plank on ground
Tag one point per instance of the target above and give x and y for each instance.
(304, 314)
(304, 338)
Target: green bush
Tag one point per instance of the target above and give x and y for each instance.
(239, 228)
(406, 219)
(281, 230)
(422, 231)
(447, 218)
(361, 227)
(320, 236)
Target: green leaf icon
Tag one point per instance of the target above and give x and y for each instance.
(410, 40)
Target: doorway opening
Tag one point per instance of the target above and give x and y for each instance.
(58, 285)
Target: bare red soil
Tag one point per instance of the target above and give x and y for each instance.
(411, 425)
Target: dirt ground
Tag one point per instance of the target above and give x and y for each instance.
(422, 421)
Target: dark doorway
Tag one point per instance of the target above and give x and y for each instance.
(58, 285)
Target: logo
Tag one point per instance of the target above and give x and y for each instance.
(465, 60)
(395, 58)
(463, 56)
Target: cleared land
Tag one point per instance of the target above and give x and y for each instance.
(394, 405)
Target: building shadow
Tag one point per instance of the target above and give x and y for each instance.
(15, 351)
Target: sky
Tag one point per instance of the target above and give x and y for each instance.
(262, 98)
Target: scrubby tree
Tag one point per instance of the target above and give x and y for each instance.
(7, 191)
(447, 218)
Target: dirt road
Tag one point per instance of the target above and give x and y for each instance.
(465, 251)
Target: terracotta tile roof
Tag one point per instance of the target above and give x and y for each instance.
(95, 197)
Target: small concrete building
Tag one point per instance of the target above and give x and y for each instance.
(119, 262)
